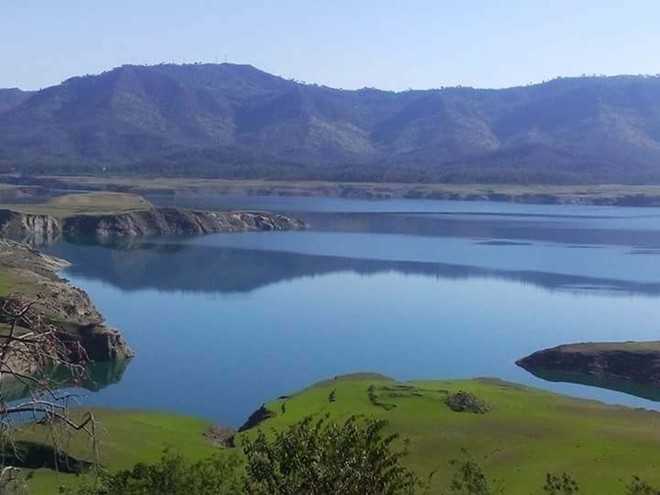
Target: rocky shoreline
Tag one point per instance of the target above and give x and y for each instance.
(44, 229)
(31, 276)
(58, 306)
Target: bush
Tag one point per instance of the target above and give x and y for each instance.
(319, 457)
(560, 484)
(313, 457)
(466, 402)
(470, 479)
(640, 487)
(173, 475)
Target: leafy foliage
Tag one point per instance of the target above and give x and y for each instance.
(173, 475)
(640, 487)
(560, 484)
(470, 479)
(318, 457)
(463, 401)
(314, 457)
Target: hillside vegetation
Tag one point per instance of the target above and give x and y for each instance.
(230, 120)
(517, 434)
(524, 434)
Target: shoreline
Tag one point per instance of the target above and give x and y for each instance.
(57, 304)
(108, 216)
(597, 195)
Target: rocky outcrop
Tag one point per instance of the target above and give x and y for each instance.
(256, 418)
(173, 221)
(58, 305)
(43, 229)
(613, 365)
(35, 229)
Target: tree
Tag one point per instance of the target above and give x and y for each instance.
(318, 457)
(30, 349)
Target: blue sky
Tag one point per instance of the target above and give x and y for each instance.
(351, 44)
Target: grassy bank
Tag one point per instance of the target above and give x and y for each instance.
(525, 434)
(124, 438)
(94, 203)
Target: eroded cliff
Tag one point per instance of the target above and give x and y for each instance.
(31, 277)
(39, 229)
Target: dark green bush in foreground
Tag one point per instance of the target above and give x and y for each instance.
(321, 457)
(173, 475)
(313, 457)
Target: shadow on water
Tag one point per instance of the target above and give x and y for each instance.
(213, 269)
(606, 382)
(96, 377)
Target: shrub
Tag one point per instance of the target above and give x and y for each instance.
(173, 475)
(466, 402)
(560, 484)
(319, 457)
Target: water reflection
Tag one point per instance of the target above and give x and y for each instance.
(408, 289)
(199, 268)
(95, 377)
(608, 382)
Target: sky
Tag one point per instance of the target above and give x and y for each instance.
(394, 45)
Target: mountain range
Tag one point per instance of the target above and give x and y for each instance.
(227, 120)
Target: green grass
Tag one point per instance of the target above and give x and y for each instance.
(93, 203)
(594, 347)
(527, 433)
(124, 438)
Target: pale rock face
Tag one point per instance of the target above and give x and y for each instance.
(35, 229)
(170, 221)
(44, 229)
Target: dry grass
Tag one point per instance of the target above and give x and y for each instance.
(93, 203)
(513, 192)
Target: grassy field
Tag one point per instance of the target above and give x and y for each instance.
(124, 438)
(94, 203)
(526, 434)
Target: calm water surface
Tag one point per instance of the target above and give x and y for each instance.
(411, 289)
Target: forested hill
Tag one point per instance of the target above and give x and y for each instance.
(237, 121)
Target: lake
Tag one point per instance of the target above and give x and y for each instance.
(407, 288)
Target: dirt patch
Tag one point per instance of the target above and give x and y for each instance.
(221, 435)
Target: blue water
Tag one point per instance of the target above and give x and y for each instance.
(408, 288)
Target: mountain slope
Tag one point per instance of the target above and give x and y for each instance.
(10, 98)
(237, 121)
